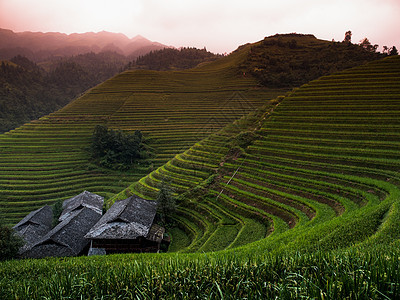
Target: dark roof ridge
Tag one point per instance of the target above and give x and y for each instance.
(126, 219)
(54, 241)
(124, 209)
(84, 199)
(57, 228)
(30, 217)
(67, 238)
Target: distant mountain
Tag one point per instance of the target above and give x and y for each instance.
(39, 46)
(42, 72)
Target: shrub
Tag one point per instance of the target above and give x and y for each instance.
(10, 243)
(166, 202)
(57, 210)
(245, 139)
(116, 149)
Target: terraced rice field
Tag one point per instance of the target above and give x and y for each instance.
(325, 160)
(48, 159)
(303, 196)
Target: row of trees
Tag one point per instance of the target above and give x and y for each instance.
(366, 44)
(293, 59)
(174, 59)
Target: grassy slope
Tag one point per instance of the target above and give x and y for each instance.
(332, 146)
(333, 139)
(328, 149)
(47, 159)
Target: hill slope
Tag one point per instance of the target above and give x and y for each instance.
(28, 91)
(327, 154)
(48, 159)
(324, 160)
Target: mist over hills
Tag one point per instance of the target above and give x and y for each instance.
(61, 74)
(39, 46)
(42, 72)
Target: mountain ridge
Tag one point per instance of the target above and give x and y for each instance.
(39, 45)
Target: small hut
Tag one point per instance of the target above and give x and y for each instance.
(67, 238)
(79, 215)
(35, 225)
(127, 227)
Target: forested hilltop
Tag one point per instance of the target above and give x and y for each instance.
(290, 60)
(174, 59)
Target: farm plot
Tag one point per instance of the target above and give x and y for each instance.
(327, 151)
(48, 159)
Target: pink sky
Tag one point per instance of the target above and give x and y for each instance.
(221, 26)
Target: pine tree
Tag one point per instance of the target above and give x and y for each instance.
(166, 202)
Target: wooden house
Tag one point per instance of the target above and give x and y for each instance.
(67, 238)
(127, 227)
(79, 215)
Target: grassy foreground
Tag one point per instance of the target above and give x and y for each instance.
(354, 274)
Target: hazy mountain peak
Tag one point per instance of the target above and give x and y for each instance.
(38, 46)
(138, 37)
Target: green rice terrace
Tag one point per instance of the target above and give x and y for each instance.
(48, 159)
(299, 198)
(327, 153)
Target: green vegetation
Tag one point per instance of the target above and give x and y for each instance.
(303, 162)
(10, 242)
(29, 91)
(166, 203)
(57, 211)
(116, 149)
(50, 158)
(350, 274)
(322, 161)
(300, 197)
(173, 59)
